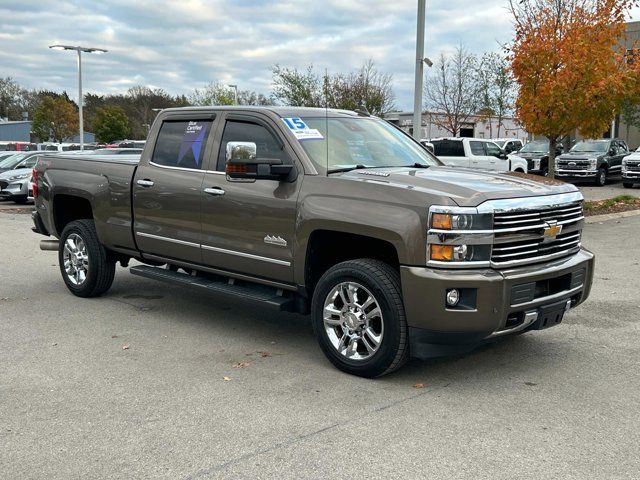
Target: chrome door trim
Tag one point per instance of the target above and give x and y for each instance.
(247, 255)
(166, 239)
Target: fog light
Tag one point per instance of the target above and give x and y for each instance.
(453, 297)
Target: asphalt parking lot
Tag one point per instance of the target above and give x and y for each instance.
(132, 385)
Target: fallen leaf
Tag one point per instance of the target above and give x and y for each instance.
(125, 347)
(241, 364)
(54, 344)
(530, 384)
(249, 354)
(264, 354)
(114, 336)
(419, 385)
(226, 379)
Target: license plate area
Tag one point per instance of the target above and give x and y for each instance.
(551, 315)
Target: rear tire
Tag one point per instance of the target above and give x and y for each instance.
(601, 177)
(627, 185)
(347, 331)
(20, 200)
(86, 266)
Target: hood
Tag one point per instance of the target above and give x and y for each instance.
(634, 157)
(464, 186)
(6, 174)
(580, 155)
(533, 155)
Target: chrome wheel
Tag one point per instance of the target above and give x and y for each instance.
(353, 321)
(76, 259)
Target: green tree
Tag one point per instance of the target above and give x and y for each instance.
(496, 89)
(10, 95)
(55, 118)
(110, 123)
(366, 87)
(213, 93)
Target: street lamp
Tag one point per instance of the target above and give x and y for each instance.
(417, 92)
(235, 98)
(79, 49)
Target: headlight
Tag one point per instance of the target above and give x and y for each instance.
(624, 166)
(22, 176)
(593, 163)
(459, 236)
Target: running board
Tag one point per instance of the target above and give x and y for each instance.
(246, 291)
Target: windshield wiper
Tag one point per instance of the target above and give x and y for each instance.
(348, 169)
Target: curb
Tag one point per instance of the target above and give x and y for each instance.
(611, 216)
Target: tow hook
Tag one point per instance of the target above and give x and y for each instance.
(49, 245)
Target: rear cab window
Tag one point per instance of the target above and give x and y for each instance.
(448, 148)
(181, 143)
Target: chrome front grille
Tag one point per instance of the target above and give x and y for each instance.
(633, 166)
(519, 235)
(579, 165)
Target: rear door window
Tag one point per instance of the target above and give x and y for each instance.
(181, 143)
(493, 149)
(477, 148)
(448, 148)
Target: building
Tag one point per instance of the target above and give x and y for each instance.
(20, 131)
(629, 133)
(475, 126)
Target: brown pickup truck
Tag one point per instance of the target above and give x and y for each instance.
(330, 213)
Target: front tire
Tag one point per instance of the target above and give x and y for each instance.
(601, 177)
(21, 200)
(86, 267)
(627, 185)
(358, 318)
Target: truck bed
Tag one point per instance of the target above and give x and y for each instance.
(106, 185)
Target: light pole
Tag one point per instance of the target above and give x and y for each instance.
(417, 92)
(79, 49)
(235, 97)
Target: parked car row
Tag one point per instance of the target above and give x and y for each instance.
(16, 170)
(476, 153)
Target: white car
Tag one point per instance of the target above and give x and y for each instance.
(631, 169)
(509, 145)
(476, 153)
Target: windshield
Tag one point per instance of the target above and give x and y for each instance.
(539, 146)
(13, 160)
(362, 142)
(500, 143)
(591, 146)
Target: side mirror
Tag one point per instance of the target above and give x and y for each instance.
(503, 155)
(612, 152)
(242, 164)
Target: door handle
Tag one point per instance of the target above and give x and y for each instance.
(214, 191)
(145, 183)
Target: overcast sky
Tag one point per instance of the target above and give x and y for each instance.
(181, 45)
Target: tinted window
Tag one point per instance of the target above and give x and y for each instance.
(477, 148)
(181, 143)
(448, 148)
(267, 146)
(493, 149)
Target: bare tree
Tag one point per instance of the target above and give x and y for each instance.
(451, 92)
(496, 89)
(366, 87)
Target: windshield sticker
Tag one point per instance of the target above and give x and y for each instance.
(192, 141)
(301, 130)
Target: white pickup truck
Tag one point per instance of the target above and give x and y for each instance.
(476, 153)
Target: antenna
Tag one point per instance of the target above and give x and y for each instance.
(326, 112)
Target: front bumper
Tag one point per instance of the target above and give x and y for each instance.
(631, 175)
(577, 173)
(504, 300)
(13, 190)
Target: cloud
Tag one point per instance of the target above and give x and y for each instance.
(183, 45)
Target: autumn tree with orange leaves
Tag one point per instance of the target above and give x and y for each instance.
(570, 66)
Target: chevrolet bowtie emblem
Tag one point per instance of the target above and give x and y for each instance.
(551, 231)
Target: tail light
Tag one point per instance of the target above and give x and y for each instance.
(34, 181)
